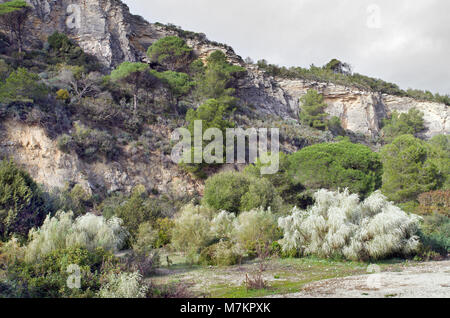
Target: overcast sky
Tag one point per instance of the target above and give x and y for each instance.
(402, 41)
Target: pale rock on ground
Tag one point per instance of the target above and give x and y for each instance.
(427, 280)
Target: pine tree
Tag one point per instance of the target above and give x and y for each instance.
(312, 110)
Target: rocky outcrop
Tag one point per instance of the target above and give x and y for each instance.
(107, 29)
(360, 111)
(31, 148)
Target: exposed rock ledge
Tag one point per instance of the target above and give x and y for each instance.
(107, 29)
(32, 149)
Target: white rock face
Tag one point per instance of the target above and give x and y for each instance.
(32, 149)
(360, 111)
(106, 29)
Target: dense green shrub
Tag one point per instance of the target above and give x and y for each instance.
(164, 228)
(410, 123)
(75, 199)
(339, 225)
(146, 237)
(337, 165)
(22, 86)
(435, 234)
(90, 144)
(171, 52)
(64, 50)
(409, 169)
(218, 78)
(224, 253)
(49, 276)
(312, 111)
(440, 156)
(212, 114)
(137, 209)
(291, 192)
(178, 83)
(238, 192)
(153, 235)
(22, 205)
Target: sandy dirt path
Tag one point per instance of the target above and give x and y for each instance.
(427, 280)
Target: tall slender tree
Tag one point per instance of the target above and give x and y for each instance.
(13, 17)
(135, 75)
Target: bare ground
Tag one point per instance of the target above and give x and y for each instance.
(426, 280)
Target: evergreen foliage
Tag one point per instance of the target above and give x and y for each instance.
(171, 52)
(337, 165)
(22, 205)
(409, 169)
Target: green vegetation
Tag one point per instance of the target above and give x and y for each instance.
(291, 192)
(4, 70)
(13, 17)
(135, 75)
(218, 77)
(64, 50)
(239, 192)
(22, 86)
(435, 235)
(212, 114)
(328, 74)
(410, 123)
(138, 209)
(409, 169)
(312, 111)
(323, 201)
(22, 205)
(337, 165)
(440, 146)
(179, 84)
(89, 144)
(171, 52)
(48, 278)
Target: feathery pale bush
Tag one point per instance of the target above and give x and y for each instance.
(339, 225)
(192, 230)
(11, 251)
(224, 253)
(255, 227)
(124, 285)
(224, 238)
(223, 224)
(63, 231)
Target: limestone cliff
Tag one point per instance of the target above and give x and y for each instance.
(360, 111)
(31, 148)
(107, 29)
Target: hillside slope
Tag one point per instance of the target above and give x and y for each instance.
(108, 30)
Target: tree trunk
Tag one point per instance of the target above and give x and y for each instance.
(135, 104)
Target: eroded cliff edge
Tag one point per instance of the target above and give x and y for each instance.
(107, 29)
